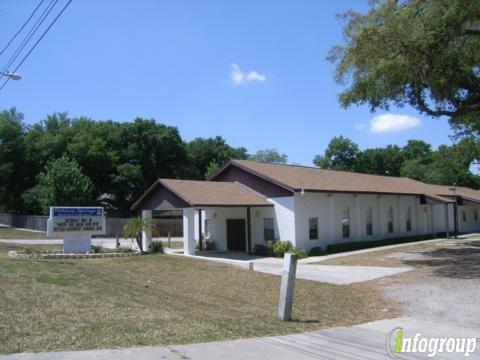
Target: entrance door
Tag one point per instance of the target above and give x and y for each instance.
(236, 234)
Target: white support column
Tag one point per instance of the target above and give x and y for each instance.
(358, 218)
(400, 218)
(147, 231)
(189, 231)
(432, 221)
(416, 219)
(381, 217)
(331, 219)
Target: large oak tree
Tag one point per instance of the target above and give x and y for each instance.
(424, 53)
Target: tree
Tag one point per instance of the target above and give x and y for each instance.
(156, 148)
(339, 155)
(127, 185)
(380, 161)
(202, 152)
(417, 157)
(269, 156)
(422, 53)
(62, 183)
(212, 168)
(14, 171)
(448, 168)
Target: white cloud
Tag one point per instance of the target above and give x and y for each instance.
(359, 126)
(239, 77)
(387, 123)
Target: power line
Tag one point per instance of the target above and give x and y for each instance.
(22, 27)
(39, 39)
(29, 35)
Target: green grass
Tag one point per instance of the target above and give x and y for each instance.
(11, 233)
(56, 280)
(48, 305)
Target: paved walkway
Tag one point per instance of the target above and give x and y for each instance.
(332, 274)
(366, 341)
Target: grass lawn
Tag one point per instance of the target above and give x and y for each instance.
(11, 233)
(160, 299)
(173, 244)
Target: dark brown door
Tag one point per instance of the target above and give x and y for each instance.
(236, 234)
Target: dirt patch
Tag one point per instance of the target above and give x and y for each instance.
(444, 287)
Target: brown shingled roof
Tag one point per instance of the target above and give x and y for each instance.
(296, 178)
(205, 193)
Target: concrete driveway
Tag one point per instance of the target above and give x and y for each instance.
(339, 275)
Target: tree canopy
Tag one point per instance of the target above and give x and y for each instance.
(339, 155)
(421, 53)
(447, 165)
(61, 183)
(269, 156)
(121, 159)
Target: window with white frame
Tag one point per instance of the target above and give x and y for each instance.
(369, 221)
(345, 219)
(313, 228)
(390, 220)
(408, 221)
(268, 229)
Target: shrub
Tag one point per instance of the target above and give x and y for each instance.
(156, 247)
(121, 250)
(301, 254)
(317, 251)
(352, 246)
(96, 249)
(273, 248)
(281, 247)
(260, 250)
(210, 245)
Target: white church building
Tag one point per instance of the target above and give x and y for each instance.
(248, 203)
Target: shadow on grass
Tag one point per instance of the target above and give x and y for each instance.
(307, 321)
(456, 263)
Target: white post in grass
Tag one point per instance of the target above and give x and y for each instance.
(189, 231)
(288, 287)
(147, 231)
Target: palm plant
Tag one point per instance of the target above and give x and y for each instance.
(134, 228)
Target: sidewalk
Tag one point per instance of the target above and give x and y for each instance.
(366, 341)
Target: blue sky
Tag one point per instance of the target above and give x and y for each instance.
(251, 71)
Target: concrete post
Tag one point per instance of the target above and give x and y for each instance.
(147, 232)
(189, 231)
(287, 287)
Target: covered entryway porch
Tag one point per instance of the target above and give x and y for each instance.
(226, 214)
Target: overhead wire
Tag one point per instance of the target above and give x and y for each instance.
(38, 41)
(22, 27)
(29, 35)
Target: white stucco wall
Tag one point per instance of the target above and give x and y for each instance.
(470, 225)
(284, 211)
(328, 209)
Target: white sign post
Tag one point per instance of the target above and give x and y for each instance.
(76, 225)
(287, 287)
